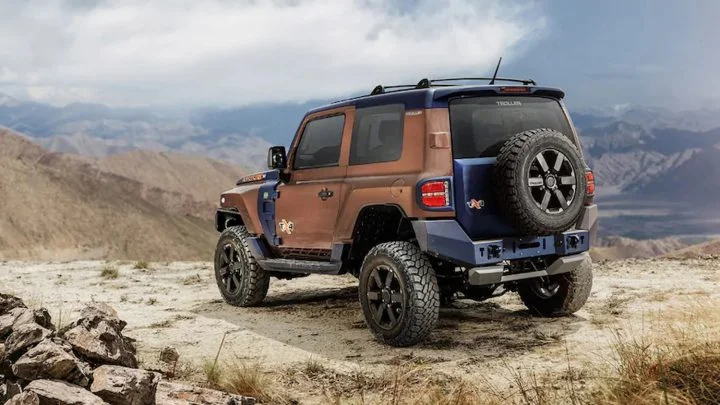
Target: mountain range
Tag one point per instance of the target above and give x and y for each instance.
(99, 130)
(138, 205)
(639, 154)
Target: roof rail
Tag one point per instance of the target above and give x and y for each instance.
(427, 83)
(501, 79)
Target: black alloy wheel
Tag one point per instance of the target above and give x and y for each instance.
(241, 281)
(230, 267)
(552, 182)
(386, 297)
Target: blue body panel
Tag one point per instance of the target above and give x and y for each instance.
(473, 180)
(267, 194)
(447, 239)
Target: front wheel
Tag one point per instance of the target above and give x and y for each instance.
(240, 279)
(558, 295)
(399, 293)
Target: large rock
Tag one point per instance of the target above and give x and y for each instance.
(170, 393)
(39, 316)
(124, 386)
(8, 302)
(62, 393)
(10, 389)
(25, 398)
(49, 360)
(7, 320)
(97, 336)
(23, 337)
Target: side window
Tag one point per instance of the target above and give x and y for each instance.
(320, 143)
(377, 134)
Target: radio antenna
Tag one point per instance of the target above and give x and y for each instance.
(496, 71)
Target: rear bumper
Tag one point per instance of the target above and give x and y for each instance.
(496, 274)
(446, 239)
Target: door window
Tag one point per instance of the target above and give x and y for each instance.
(320, 143)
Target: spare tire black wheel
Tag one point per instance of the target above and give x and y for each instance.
(540, 182)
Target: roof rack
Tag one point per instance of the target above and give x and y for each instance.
(428, 83)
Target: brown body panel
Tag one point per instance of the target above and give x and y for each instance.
(313, 219)
(318, 223)
(244, 198)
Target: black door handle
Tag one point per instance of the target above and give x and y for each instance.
(324, 194)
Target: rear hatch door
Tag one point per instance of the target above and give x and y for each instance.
(480, 126)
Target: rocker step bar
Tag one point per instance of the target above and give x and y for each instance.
(300, 266)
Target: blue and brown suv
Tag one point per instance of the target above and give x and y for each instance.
(425, 193)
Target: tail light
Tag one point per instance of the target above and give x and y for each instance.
(435, 194)
(514, 89)
(590, 181)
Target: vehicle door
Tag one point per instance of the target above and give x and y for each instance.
(308, 203)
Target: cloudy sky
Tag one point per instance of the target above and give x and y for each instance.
(241, 52)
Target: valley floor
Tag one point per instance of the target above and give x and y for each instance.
(309, 342)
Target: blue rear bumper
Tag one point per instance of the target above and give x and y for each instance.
(448, 240)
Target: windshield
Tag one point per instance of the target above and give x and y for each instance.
(481, 125)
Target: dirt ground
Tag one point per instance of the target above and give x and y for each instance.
(318, 318)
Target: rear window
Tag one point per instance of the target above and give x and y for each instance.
(377, 134)
(481, 125)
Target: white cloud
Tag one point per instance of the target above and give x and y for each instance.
(243, 52)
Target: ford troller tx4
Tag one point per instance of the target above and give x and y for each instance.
(424, 193)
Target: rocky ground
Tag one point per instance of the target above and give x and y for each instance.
(309, 344)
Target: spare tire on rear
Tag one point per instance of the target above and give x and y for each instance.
(540, 182)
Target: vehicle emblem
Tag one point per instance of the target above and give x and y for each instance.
(476, 204)
(287, 226)
(507, 103)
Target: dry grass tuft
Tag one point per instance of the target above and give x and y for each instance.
(313, 367)
(212, 373)
(141, 265)
(190, 280)
(110, 272)
(678, 361)
(249, 380)
(616, 304)
(241, 378)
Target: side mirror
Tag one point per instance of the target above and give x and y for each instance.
(277, 158)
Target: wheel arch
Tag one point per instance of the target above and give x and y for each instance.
(375, 224)
(227, 217)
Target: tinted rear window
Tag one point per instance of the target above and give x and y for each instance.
(377, 134)
(481, 125)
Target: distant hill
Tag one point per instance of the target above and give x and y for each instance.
(99, 130)
(640, 154)
(711, 248)
(618, 248)
(143, 205)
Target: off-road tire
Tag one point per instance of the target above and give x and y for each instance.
(513, 191)
(254, 281)
(421, 292)
(573, 291)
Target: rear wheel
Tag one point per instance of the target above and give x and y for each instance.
(240, 279)
(558, 295)
(399, 293)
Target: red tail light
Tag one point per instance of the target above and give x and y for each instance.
(435, 194)
(590, 180)
(514, 89)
